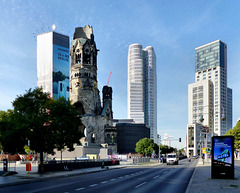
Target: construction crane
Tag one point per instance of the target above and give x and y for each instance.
(109, 78)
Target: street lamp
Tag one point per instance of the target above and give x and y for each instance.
(205, 130)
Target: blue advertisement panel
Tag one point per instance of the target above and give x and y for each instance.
(223, 157)
(60, 72)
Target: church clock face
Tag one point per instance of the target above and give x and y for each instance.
(78, 84)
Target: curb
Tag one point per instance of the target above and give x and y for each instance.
(25, 180)
(190, 182)
(39, 179)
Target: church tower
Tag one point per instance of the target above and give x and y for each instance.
(84, 92)
(84, 89)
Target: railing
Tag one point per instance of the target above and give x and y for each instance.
(137, 160)
(76, 164)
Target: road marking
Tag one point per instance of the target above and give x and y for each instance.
(120, 177)
(79, 189)
(140, 184)
(104, 182)
(93, 185)
(113, 179)
(126, 175)
(165, 172)
(156, 177)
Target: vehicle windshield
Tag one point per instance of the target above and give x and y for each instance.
(171, 156)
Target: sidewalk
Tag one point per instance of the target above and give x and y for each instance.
(201, 180)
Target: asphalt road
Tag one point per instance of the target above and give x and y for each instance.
(162, 178)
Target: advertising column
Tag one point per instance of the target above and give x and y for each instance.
(222, 157)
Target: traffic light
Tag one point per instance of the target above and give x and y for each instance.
(180, 139)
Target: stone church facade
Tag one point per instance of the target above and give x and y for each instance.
(96, 116)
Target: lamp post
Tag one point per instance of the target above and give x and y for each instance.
(205, 130)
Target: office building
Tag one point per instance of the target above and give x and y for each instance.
(209, 98)
(142, 87)
(128, 134)
(53, 64)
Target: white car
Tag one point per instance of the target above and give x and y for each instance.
(172, 158)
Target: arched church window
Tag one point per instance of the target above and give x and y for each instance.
(79, 108)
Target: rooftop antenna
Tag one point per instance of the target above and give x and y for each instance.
(109, 78)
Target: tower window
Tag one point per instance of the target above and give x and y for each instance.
(78, 58)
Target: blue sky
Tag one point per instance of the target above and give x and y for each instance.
(173, 28)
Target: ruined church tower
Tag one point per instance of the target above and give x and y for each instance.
(84, 92)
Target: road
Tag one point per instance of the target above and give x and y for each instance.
(161, 178)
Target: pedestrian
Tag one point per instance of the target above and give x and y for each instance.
(203, 159)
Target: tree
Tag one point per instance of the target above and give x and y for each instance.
(65, 120)
(32, 115)
(166, 149)
(236, 133)
(146, 146)
(181, 151)
(46, 122)
(11, 138)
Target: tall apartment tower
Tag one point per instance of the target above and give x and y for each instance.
(142, 87)
(209, 98)
(53, 64)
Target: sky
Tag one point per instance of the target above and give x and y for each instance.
(173, 28)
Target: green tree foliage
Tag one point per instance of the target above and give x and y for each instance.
(11, 137)
(146, 146)
(46, 122)
(167, 149)
(236, 133)
(65, 121)
(181, 151)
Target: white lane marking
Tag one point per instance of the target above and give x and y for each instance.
(120, 177)
(104, 182)
(93, 185)
(140, 184)
(79, 189)
(126, 175)
(165, 172)
(156, 177)
(113, 179)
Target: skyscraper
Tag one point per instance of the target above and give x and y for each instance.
(53, 64)
(142, 87)
(209, 98)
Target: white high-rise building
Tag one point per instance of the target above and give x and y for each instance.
(142, 87)
(53, 64)
(209, 98)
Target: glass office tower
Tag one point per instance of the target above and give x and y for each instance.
(142, 87)
(53, 64)
(209, 97)
(211, 64)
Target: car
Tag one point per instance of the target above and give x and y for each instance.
(172, 158)
(195, 157)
